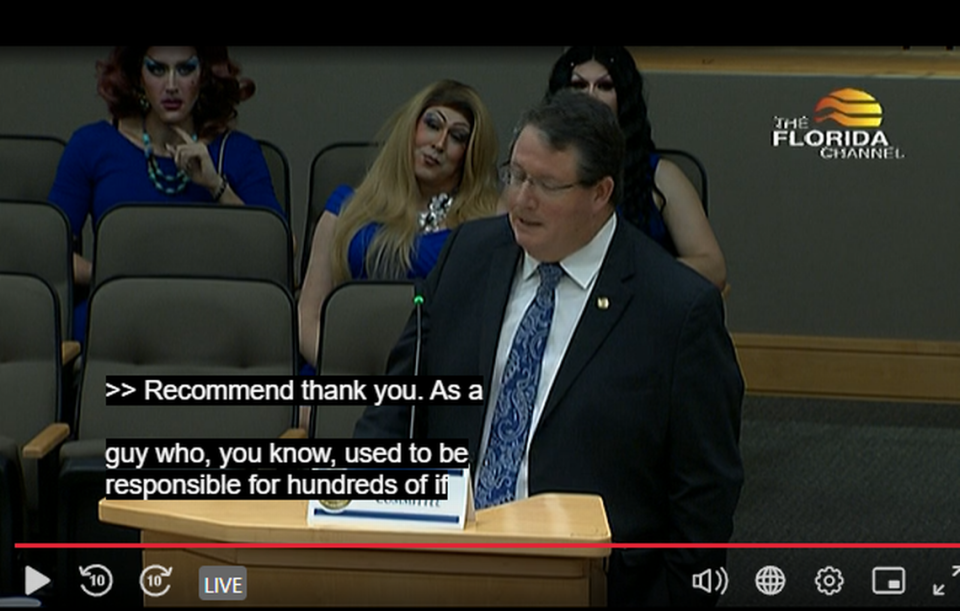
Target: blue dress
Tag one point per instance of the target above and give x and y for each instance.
(423, 258)
(101, 169)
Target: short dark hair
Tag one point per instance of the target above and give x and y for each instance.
(572, 119)
(221, 89)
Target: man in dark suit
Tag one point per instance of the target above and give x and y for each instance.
(635, 391)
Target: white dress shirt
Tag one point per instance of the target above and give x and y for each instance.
(580, 274)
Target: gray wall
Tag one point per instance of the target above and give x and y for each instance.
(852, 248)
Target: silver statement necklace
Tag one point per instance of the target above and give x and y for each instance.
(432, 218)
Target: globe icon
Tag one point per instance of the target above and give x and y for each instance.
(770, 580)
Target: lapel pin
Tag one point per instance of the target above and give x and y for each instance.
(603, 303)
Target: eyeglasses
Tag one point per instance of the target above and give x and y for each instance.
(513, 177)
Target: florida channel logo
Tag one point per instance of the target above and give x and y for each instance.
(845, 125)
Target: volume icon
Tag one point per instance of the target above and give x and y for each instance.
(711, 581)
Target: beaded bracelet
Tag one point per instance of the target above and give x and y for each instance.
(221, 189)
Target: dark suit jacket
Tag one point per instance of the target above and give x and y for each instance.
(644, 410)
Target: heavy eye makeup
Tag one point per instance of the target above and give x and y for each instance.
(433, 120)
(437, 122)
(460, 136)
(184, 68)
(154, 67)
(604, 83)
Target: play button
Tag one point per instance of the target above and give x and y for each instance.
(33, 580)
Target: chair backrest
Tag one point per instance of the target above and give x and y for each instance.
(35, 239)
(193, 240)
(334, 165)
(28, 165)
(693, 168)
(186, 326)
(360, 324)
(13, 516)
(279, 167)
(29, 363)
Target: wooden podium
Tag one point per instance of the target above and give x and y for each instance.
(449, 576)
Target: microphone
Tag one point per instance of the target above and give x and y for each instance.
(418, 311)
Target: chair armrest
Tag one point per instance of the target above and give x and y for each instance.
(69, 351)
(294, 434)
(47, 440)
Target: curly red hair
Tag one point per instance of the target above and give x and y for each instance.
(221, 89)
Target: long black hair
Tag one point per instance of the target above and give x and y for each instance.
(639, 185)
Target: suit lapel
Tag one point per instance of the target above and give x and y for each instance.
(496, 292)
(503, 265)
(604, 307)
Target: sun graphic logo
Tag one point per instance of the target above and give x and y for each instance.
(845, 126)
(849, 108)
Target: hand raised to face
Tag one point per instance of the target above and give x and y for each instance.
(193, 158)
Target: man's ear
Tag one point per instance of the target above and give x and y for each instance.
(603, 191)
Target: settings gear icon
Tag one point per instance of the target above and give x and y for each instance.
(829, 580)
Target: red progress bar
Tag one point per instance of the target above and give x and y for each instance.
(487, 545)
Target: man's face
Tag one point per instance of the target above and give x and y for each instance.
(552, 214)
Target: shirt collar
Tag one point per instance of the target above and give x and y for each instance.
(583, 265)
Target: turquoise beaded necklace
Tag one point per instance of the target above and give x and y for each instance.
(169, 184)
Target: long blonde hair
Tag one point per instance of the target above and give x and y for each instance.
(389, 194)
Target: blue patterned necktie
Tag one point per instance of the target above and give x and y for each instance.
(497, 482)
